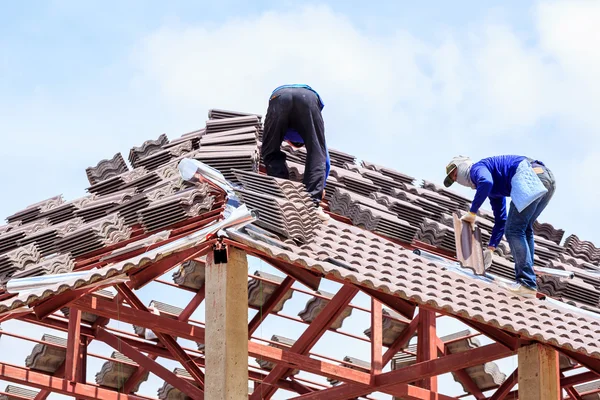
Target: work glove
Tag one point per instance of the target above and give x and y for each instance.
(469, 217)
(488, 255)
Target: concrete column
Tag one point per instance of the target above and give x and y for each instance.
(227, 327)
(539, 374)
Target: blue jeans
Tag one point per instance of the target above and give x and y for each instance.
(519, 230)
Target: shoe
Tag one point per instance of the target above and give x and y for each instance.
(522, 290)
(323, 216)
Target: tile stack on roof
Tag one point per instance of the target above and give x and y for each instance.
(94, 235)
(128, 210)
(317, 303)
(393, 326)
(246, 136)
(191, 274)
(87, 316)
(548, 232)
(170, 392)
(385, 183)
(165, 310)
(216, 113)
(366, 212)
(227, 124)
(163, 156)
(175, 208)
(259, 291)
(352, 363)
(582, 249)
(45, 239)
(340, 159)
(147, 148)
(106, 169)
(117, 182)
(486, 376)
(436, 234)
(463, 202)
(47, 356)
(411, 213)
(228, 158)
(66, 211)
(589, 387)
(104, 205)
(354, 181)
(34, 211)
(389, 172)
(114, 374)
(11, 239)
(444, 201)
(279, 342)
(283, 206)
(58, 264)
(18, 393)
(18, 260)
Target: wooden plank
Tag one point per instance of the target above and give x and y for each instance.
(468, 245)
(539, 373)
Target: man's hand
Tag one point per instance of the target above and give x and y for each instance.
(469, 217)
(488, 255)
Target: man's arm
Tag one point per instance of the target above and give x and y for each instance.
(499, 207)
(482, 178)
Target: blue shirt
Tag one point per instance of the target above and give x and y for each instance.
(293, 136)
(492, 177)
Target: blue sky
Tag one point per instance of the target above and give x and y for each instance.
(406, 84)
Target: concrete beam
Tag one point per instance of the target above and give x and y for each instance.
(227, 327)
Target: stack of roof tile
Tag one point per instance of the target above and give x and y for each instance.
(436, 234)
(128, 210)
(45, 239)
(370, 215)
(463, 202)
(393, 326)
(162, 157)
(582, 249)
(12, 239)
(191, 274)
(117, 182)
(59, 264)
(47, 356)
(226, 124)
(106, 169)
(259, 291)
(279, 342)
(389, 172)
(228, 158)
(433, 208)
(165, 310)
(88, 317)
(66, 211)
(18, 393)
(384, 182)
(147, 148)
(18, 260)
(170, 392)
(94, 235)
(587, 388)
(406, 211)
(175, 208)
(215, 113)
(352, 363)
(235, 137)
(35, 211)
(340, 159)
(316, 304)
(114, 374)
(102, 206)
(283, 206)
(449, 204)
(354, 181)
(548, 232)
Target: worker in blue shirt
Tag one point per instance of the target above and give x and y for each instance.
(294, 115)
(529, 184)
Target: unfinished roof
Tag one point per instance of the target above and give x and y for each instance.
(142, 220)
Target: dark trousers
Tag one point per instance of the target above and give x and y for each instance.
(296, 108)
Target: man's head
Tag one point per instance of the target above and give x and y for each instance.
(458, 170)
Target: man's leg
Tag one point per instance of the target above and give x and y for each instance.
(547, 179)
(516, 227)
(276, 125)
(310, 125)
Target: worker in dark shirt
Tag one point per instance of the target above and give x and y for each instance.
(294, 115)
(529, 184)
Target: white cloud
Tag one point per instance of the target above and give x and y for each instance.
(400, 100)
